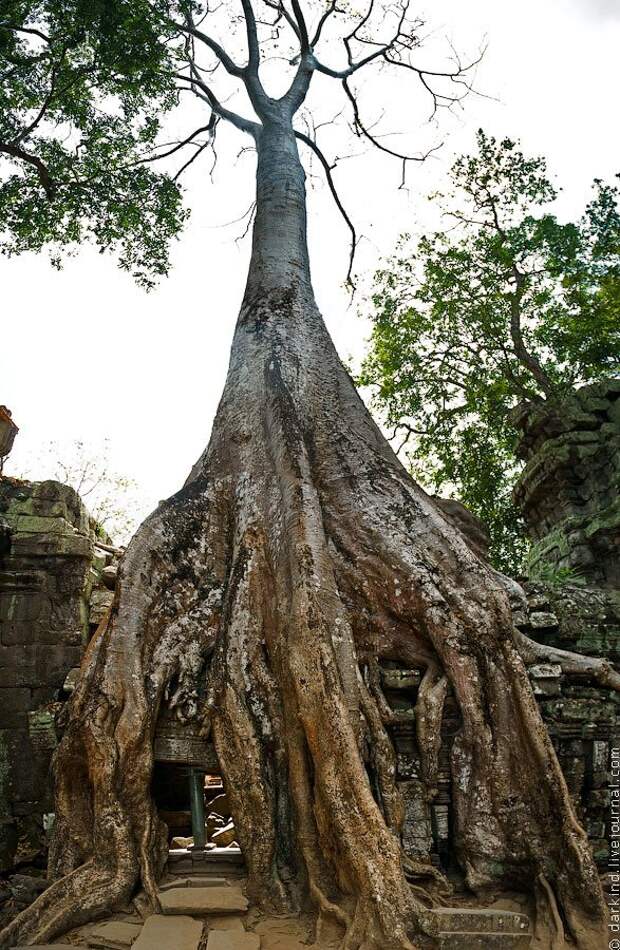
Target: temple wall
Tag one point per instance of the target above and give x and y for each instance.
(568, 491)
(583, 719)
(49, 570)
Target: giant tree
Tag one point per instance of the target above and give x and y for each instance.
(298, 556)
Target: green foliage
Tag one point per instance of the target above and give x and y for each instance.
(506, 304)
(552, 576)
(84, 85)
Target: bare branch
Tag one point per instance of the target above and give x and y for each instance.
(192, 159)
(179, 145)
(252, 35)
(227, 62)
(304, 39)
(283, 13)
(332, 8)
(200, 88)
(25, 29)
(332, 187)
(362, 130)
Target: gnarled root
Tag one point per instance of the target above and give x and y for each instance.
(597, 668)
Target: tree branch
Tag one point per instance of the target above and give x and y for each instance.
(227, 62)
(522, 353)
(332, 8)
(362, 130)
(332, 187)
(42, 170)
(281, 10)
(304, 39)
(241, 123)
(252, 35)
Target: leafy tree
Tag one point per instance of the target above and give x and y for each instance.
(506, 304)
(84, 85)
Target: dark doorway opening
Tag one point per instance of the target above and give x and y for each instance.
(194, 805)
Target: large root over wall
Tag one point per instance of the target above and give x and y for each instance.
(299, 555)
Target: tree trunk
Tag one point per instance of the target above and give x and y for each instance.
(297, 556)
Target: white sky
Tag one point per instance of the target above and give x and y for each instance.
(85, 354)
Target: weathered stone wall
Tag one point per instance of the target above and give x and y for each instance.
(583, 720)
(48, 565)
(569, 490)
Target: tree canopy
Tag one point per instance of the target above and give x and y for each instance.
(93, 143)
(505, 304)
(83, 87)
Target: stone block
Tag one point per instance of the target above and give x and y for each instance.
(401, 679)
(15, 701)
(482, 920)
(37, 665)
(203, 900)
(476, 941)
(222, 922)
(232, 940)
(114, 935)
(100, 603)
(202, 881)
(169, 933)
(42, 730)
(543, 620)
(545, 671)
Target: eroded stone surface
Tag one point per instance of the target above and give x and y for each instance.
(203, 900)
(114, 935)
(481, 920)
(169, 933)
(480, 941)
(224, 922)
(202, 881)
(232, 940)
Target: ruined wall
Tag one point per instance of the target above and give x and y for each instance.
(583, 719)
(569, 490)
(48, 567)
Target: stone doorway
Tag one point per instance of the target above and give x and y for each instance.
(190, 794)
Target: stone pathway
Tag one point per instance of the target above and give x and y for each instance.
(208, 912)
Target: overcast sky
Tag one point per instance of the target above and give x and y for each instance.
(85, 354)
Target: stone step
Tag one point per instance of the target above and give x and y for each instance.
(481, 920)
(114, 935)
(224, 922)
(203, 880)
(210, 856)
(232, 940)
(169, 933)
(203, 900)
(484, 941)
